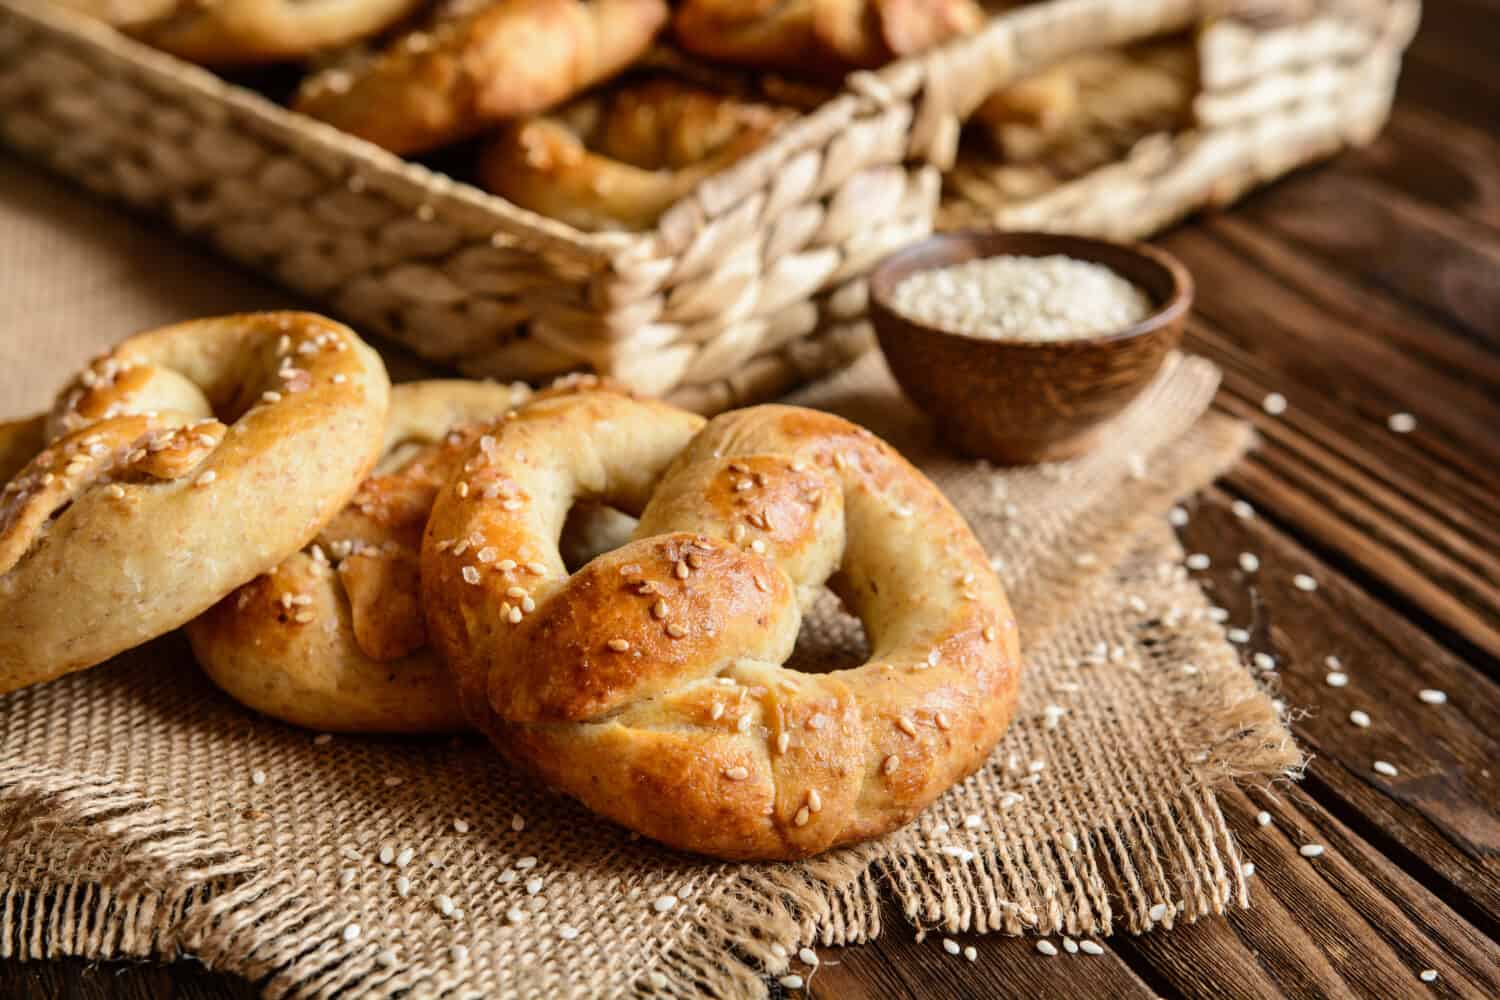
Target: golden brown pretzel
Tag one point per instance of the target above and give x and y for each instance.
(245, 32)
(620, 160)
(333, 638)
(475, 67)
(144, 509)
(820, 37)
(649, 683)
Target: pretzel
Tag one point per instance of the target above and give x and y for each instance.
(143, 510)
(820, 37)
(476, 66)
(247, 32)
(332, 638)
(620, 161)
(648, 683)
(121, 13)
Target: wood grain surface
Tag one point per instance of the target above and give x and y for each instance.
(1358, 289)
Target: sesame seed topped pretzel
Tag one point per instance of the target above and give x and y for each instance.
(246, 32)
(478, 64)
(649, 683)
(333, 637)
(144, 509)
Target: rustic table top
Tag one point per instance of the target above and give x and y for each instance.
(1357, 290)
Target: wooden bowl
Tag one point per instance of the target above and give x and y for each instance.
(1016, 401)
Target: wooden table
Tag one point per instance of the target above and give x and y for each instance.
(1357, 290)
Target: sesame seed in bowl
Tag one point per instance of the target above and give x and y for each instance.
(1023, 346)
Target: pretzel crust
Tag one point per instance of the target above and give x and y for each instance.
(474, 68)
(619, 161)
(247, 32)
(143, 510)
(649, 684)
(820, 37)
(333, 639)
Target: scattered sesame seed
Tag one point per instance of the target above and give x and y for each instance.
(808, 956)
(461, 826)
(1432, 696)
(526, 863)
(737, 773)
(515, 915)
(1333, 662)
(1242, 510)
(568, 932)
(791, 981)
(950, 946)
(1249, 562)
(1310, 850)
(403, 886)
(1386, 768)
(445, 905)
(392, 781)
(351, 932)
(1264, 661)
(744, 723)
(1263, 818)
(518, 822)
(533, 886)
(1248, 868)
(1401, 423)
(347, 877)
(257, 777)
(1157, 913)
(1046, 947)
(387, 854)
(973, 821)
(1036, 766)
(971, 953)
(471, 575)
(459, 953)
(387, 958)
(664, 903)
(778, 950)
(1274, 404)
(322, 739)
(814, 800)
(1336, 678)
(1070, 841)
(1010, 799)
(1360, 719)
(1428, 975)
(676, 631)
(1070, 946)
(1304, 583)
(657, 980)
(802, 817)
(891, 763)
(1198, 561)
(1177, 517)
(906, 726)
(1091, 947)
(783, 740)
(619, 645)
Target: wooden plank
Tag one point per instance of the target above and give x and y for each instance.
(1441, 810)
(1345, 924)
(1437, 261)
(76, 978)
(898, 965)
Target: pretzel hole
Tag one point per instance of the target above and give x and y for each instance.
(830, 639)
(592, 528)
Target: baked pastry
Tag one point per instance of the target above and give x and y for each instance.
(246, 32)
(478, 64)
(144, 509)
(121, 13)
(648, 684)
(819, 37)
(333, 638)
(619, 160)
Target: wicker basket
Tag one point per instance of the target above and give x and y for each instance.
(748, 285)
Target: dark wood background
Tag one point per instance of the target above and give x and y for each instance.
(1358, 289)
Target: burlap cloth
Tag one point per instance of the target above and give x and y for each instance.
(130, 823)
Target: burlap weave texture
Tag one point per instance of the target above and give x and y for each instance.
(132, 821)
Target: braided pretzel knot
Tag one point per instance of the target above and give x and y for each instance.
(649, 683)
(144, 509)
(333, 637)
